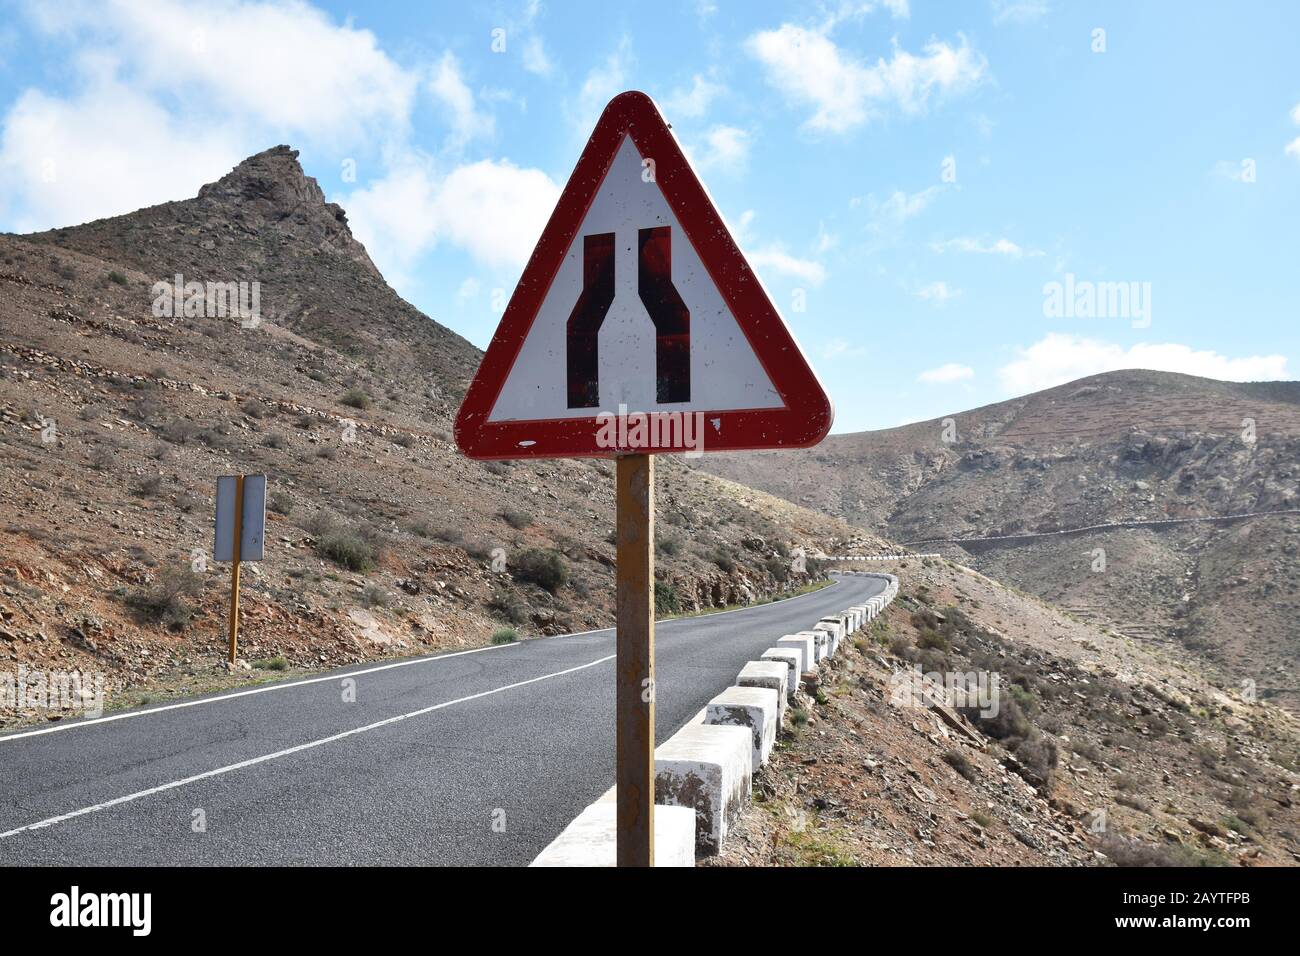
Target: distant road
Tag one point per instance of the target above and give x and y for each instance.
(433, 753)
(1108, 526)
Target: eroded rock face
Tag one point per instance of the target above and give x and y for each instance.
(271, 187)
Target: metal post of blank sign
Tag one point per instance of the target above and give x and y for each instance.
(234, 568)
(635, 627)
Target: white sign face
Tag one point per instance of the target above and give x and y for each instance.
(253, 531)
(723, 372)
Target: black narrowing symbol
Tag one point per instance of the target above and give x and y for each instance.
(671, 318)
(586, 318)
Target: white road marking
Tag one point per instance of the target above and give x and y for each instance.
(335, 675)
(254, 761)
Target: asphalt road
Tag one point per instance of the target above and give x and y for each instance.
(474, 758)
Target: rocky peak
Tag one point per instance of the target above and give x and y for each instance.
(271, 188)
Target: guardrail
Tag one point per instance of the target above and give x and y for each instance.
(704, 773)
(881, 557)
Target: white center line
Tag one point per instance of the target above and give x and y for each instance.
(339, 675)
(254, 761)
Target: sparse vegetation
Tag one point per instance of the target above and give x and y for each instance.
(356, 398)
(505, 635)
(507, 607)
(667, 600)
(517, 519)
(541, 566)
(170, 599)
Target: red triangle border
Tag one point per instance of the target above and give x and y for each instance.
(807, 415)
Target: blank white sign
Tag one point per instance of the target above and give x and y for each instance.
(253, 533)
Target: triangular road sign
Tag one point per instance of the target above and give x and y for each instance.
(637, 325)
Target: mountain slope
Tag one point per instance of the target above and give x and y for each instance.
(381, 537)
(1112, 447)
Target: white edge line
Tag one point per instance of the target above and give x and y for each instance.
(705, 615)
(337, 675)
(217, 698)
(230, 768)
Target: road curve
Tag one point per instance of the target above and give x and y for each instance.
(472, 758)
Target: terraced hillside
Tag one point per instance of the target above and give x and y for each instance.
(1110, 448)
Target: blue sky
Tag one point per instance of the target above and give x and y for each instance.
(915, 175)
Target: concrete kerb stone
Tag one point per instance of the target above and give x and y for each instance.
(755, 708)
(710, 768)
(591, 840)
(792, 658)
(821, 643)
(771, 674)
(835, 628)
(806, 645)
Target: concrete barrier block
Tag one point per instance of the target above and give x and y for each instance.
(709, 768)
(821, 643)
(590, 840)
(756, 708)
(770, 674)
(792, 658)
(806, 645)
(836, 631)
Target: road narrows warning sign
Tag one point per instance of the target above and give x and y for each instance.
(638, 326)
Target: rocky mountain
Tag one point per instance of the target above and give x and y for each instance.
(1114, 448)
(122, 398)
(119, 411)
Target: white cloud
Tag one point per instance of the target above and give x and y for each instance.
(694, 102)
(1238, 171)
(493, 210)
(740, 228)
(998, 247)
(946, 374)
(900, 206)
(56, 155)
(1018, 11)
(285, 65)
(826, 241)
(775, 258)
(449, 88)
(725, 148)
(1058, 358)
(1293, 148)
(838, 348)
(601, 85)
(535, 58)
(938, 293)
(809, 69)
(157, 106)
